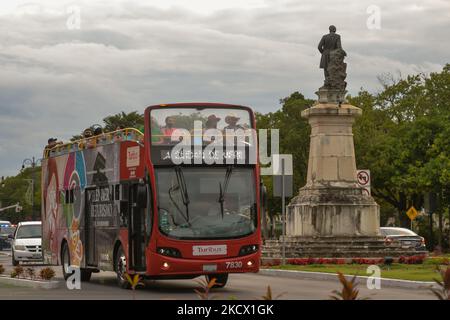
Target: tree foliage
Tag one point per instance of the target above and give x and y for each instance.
(17, 190)
(294, 139)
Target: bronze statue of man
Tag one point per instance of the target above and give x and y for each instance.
(329, 42)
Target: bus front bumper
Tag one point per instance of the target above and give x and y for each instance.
(166, 266)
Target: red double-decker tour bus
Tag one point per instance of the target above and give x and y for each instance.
(178, 201)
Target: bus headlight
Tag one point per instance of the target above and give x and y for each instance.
(245, 250)
(169, 252)
(165, 266)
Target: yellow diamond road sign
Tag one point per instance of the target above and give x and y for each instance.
(412, 213)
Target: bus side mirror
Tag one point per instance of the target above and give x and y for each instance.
(141, 196)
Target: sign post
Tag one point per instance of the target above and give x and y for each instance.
(412, 214)
(282, 187)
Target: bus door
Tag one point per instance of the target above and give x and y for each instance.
(136, 226)
(89, 231)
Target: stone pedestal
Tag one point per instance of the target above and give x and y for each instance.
(331, 203)
(331, 216)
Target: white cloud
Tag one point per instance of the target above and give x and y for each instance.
(130, 54)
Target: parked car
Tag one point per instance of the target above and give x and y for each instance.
(406, 237)
(5, 230)
(27, 241)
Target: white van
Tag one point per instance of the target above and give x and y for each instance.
(27, 242)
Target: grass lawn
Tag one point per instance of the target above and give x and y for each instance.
(416, 272)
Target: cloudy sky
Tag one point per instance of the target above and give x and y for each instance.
(67, 65)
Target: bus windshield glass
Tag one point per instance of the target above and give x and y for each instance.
(206, 202)
(165, 121)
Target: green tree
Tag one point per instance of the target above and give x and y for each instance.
(127, 120)
(294, 139)
(403, 138)
(16, 190)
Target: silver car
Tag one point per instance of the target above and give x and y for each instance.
(406, 238)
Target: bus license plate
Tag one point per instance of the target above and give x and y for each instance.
(210, 267)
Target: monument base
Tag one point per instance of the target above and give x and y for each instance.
(335, 209)
(331, 96)
(333, 247)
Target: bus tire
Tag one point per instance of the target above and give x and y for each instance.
(221, 279)
(65, 260)
(120, 266)
(85, 274)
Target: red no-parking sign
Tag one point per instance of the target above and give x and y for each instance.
(363, 179)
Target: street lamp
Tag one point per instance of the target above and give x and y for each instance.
(33, 163)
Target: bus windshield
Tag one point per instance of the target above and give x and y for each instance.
(165, 121)
(206, 202)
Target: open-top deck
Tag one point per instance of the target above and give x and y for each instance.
(128, 134)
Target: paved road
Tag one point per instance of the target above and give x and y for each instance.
(241, 286)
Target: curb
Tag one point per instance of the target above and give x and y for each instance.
(393, 283)
(52, 284)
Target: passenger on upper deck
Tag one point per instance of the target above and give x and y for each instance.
(211, 123)
(168, 129)
(98, 131)
(157, 136)
(51, 143)
(88, 133)
(232, 121)
(118, 136)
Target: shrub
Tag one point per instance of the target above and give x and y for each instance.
(269, 296)
(443, 292)
(19, 271)
(30, 273)
(47, 273)
(348, 291)
(2, 269)
(367, 261)
(412, 259)
(13, 274)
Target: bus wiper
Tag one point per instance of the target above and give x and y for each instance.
(223, 191)
(183, 189)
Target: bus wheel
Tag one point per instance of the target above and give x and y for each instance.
(85, 274)
(221, 279)
(120, 265)
(65, 261)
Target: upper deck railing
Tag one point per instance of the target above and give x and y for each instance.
(128, 134)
